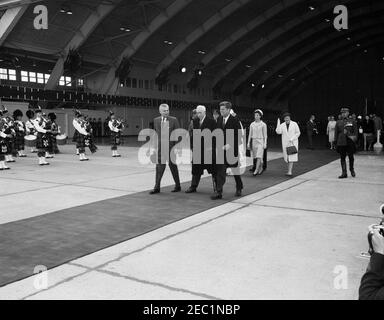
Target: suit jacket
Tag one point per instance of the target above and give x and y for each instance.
(311, 126)
(372, 282)
(205, 164)
(173, 124)
(233, 125)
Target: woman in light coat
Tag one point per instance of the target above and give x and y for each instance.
(331, 128)
(290, 134)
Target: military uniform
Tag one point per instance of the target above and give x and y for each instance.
(346, 136)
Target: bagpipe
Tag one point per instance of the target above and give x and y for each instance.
(119, 124)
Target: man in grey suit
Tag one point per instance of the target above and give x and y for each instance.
(164, 126)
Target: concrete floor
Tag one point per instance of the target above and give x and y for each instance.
(281, 243)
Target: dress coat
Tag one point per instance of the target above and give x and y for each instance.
(205, 164)
(287, 136)
(171, 124)
(232, 124)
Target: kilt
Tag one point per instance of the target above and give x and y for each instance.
(75, 136)
(19, 141)
(80, 140)
(115, 138)
(3, 146)
(42, 141)
(10, 145)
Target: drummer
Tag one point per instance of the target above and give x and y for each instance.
(53, 148)
(30, 128)
(11, 134)
(42, 142)
(20, 133)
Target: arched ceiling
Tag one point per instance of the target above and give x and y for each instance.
(238, 42)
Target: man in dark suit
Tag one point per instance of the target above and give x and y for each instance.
(200, 125)
(311, 131)
(230, 126)
(164, 126)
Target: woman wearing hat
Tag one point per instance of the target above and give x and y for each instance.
(290, 134)
(257, 141)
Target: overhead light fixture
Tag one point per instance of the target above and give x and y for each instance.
(168, 42)
(349, 39)
(263, 86)
(253, 85)
(280, 75)
(66, 9)
(247, 66)
(293, 79)
(125, 29)
(200, 72)
(266, 71)
(183, 69)
(201, 52)
(358, 45)
(365, 50)
(311, 8)
(327, 20)
(228, 60)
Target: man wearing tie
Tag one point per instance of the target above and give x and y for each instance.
(164, 126)
(201, 123)
(230, 127)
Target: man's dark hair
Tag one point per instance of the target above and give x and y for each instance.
(226, 104)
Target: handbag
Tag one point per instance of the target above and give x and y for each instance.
(291, 150)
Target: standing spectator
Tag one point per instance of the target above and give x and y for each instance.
(290, 133)
(311, 131)
(368, 133)
(378, 125)
(257, 141)
(106, 128)
(360, 136)
(331, 131)
(99, 128)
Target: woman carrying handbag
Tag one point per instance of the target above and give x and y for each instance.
(290, 133)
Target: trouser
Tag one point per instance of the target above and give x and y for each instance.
(344, 152)
(310, 140)
(221, 174)
(195, 181)
(160, 168)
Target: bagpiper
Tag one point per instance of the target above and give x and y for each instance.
(30, 127)
(115, 127)
(3, 142)
(43, 131)
(20, 130)
(83, 135)
(11, 134)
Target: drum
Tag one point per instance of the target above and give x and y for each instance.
(30, 140)
(61, 139)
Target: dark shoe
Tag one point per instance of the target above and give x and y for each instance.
(155, 191)
(238, 193)
(191, 190)
(343, 176)
(353, 173)
(217, 196)
(7, 168)
(177, 189)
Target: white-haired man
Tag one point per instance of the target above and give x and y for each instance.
(207, 144)
(161, 125)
